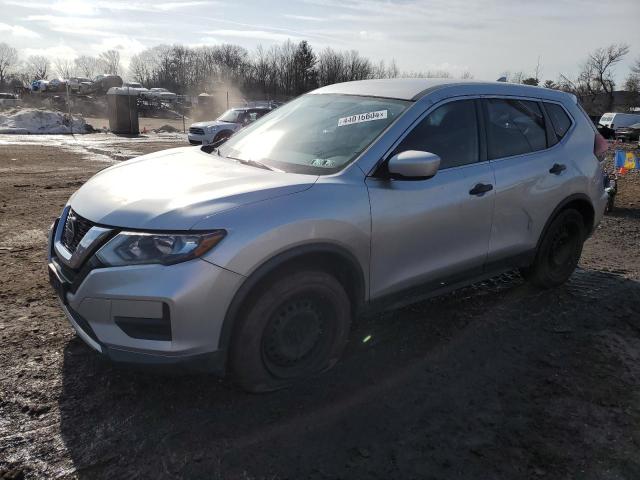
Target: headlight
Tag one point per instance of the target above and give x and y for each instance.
(136, 248)
(211, 129)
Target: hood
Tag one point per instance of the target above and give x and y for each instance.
(175, 189)
(213, 123)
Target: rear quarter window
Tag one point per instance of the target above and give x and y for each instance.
(560, 121)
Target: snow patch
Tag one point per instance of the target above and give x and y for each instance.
(41, 121)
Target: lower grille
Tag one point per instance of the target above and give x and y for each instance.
(83, 324)
(75, 228)
(196, 131)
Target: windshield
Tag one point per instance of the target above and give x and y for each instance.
(317, 134)
(231, 116)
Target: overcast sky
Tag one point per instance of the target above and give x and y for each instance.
(484, 37)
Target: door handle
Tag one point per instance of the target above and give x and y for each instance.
(480, 189)
(557, 168)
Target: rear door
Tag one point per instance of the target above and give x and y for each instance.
(432, 230)
(531, 169)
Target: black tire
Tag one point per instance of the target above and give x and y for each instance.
(559, 251)
(294, 327)
(221, 136)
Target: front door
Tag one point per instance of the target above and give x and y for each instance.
(432, 230)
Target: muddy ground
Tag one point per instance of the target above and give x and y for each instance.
(497, 381)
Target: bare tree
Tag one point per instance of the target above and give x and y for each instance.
(517, 77)
(537, 73)
(330, 67)
(597, 75)
(427, 74)
(110, 62)
(602, 61)
(87, 66)
(64, 67)
(37, 67)
(144, 65)
(632, 82)
(466, 75)
(8, 59)
(635, 68)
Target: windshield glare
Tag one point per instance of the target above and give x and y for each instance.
(317, 134)
(231, 116)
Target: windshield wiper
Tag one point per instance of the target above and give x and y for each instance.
(215, 148)
(253, 163)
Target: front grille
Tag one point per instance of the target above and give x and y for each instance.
(75, 228)
(196, 131)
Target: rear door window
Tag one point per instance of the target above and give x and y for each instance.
(514, 127)
(559, 119)
(450, 131)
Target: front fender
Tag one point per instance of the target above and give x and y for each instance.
(330, 213)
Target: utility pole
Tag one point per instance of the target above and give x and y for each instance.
(68, 101)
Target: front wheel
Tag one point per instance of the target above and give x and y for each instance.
(220, 138)
(559, 251)
(294, 327)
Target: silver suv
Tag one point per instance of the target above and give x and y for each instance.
(253, 258)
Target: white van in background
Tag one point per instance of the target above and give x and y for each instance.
(619, 120)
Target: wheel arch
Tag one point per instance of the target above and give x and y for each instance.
(578, 201)
(223, 133)
(325, 256)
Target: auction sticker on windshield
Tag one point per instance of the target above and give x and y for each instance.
(362, 117)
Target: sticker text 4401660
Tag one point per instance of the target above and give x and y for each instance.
(362, 117)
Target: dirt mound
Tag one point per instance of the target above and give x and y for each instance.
(166, 129)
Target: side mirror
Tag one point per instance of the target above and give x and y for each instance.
(414, 164)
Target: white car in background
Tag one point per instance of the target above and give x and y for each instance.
(206, 133)
(619, 120)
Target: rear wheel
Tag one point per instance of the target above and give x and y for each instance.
(295, 327)
(559, 251)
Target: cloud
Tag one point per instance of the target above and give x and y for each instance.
(368, 35)
(85, 8)
(151, 7)
(76, 7)
(254, 34)
(127, 46)
(18, 31)
(83, 26)
(58, 51)
(306, 18)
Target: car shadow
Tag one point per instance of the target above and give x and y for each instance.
(625, 212)
(421, 389)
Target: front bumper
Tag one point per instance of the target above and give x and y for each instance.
(150, 314)
(199, 139)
